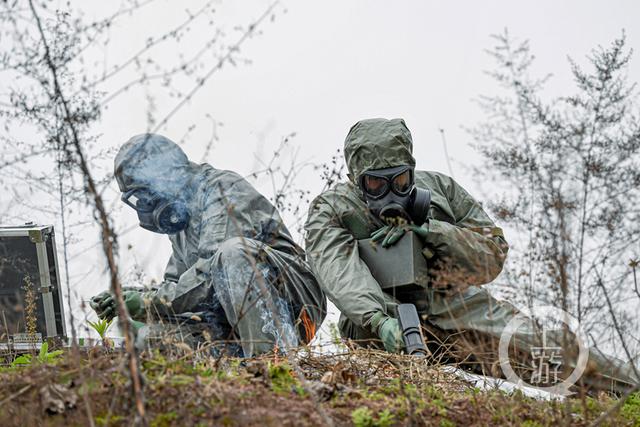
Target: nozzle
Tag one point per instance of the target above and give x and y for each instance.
(411, 330)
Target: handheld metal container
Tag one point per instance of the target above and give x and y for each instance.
(400, 267)
(401, 270)
(29, 288)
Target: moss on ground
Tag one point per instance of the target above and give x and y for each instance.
(362, 388)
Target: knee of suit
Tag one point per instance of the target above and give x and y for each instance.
(240, 252)
(238, 262)
(236, 247)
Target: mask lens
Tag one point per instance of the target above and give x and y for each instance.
(132, 200)
(140, 200)
(402, 183)
(375, 186)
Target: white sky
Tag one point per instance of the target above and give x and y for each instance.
(321, 66)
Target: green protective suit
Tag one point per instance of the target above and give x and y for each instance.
(235, 268)
(462, 242)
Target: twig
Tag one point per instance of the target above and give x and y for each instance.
(108, 238)
(616, 325)
(446, 152)
(148, 46)
(234, 48)
(633, 264)
(13, 396)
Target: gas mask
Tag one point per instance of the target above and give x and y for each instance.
(156, 212)
(392, 196)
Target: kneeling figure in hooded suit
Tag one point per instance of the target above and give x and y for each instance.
(235, 274)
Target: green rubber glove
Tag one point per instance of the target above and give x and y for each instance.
(388, 330)
(391, 335)
(420, 230)
(102, 306)
(423, 231)
(136, 325)
(135, 304)
(389, 235)
(105, 305)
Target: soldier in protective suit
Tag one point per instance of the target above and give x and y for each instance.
(463, 246)
(235, 273)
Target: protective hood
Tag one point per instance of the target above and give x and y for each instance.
(149, 160)
(377, 144)
(153, 174)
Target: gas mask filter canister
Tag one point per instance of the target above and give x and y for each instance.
(157, 213)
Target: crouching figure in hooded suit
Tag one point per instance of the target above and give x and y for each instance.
(235, 274)
(385, 198)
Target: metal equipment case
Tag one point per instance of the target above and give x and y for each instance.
(29, 265)
(400, 267)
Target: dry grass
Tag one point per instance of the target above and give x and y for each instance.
(362, 387)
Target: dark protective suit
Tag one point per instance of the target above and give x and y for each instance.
(233, 266)
(464, 246)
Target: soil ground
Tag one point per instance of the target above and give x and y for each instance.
(361, 388)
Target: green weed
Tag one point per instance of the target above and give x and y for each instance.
(164, 420)
(631, 408)
(44, 356)
(282, 378)
(363, 417)
(101, 327)
(108, 421)
(385, 419)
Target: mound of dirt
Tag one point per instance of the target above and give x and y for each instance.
(361, 388)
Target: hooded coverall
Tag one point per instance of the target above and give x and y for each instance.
(462, 239)
(235, 272)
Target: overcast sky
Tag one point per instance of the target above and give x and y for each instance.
(321, 66)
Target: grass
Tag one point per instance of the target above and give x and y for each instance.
(631, 408)
(362, 388)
